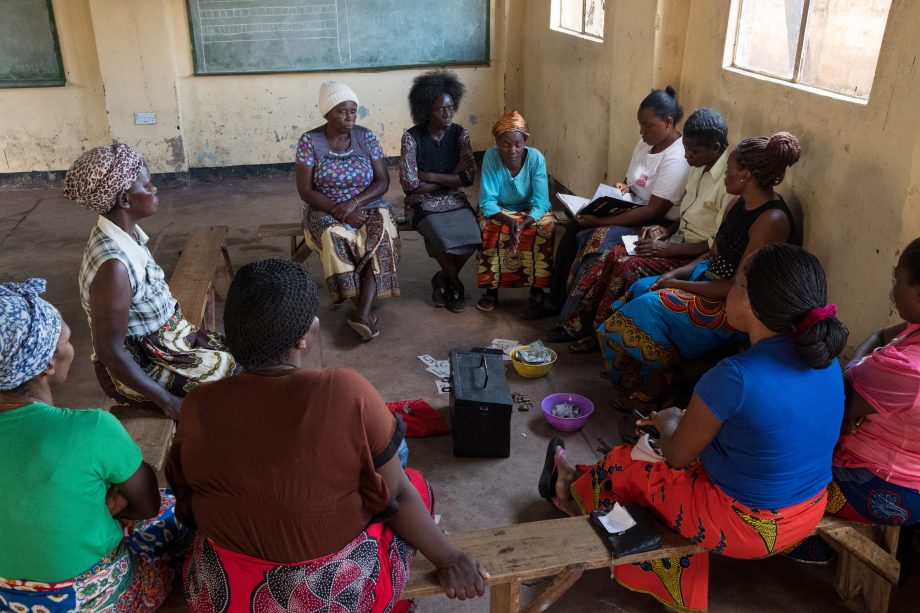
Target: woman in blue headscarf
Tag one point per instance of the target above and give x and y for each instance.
(73, 483)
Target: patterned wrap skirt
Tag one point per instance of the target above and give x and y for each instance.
(135, 578)
(688, 502)
(365, 576)
(177, 357)
(603, 281)
(658, 329)
(346, 252)
(858, 494)
(530, 265)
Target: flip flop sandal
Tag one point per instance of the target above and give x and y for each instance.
(365, 331)
(547, 484)
(487, 303)
(585, 345)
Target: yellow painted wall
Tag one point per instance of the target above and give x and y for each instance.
(124, 56)
(858, 176)
(46, 128)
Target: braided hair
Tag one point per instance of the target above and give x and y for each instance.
(784, 283)
(910, 260)
(706, 128)
(427, 87)
(767, 158)
(270, 306)
(663, 103)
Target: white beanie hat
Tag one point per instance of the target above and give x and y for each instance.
(332, 93)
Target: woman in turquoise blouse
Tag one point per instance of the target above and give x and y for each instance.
(517, 226)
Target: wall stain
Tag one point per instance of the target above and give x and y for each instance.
(177, 152)
(474, 120)
(363, 111)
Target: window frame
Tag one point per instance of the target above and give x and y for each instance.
(555, 20)
(734, 31)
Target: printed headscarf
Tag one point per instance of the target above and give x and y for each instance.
(29, 331)
(510, 122)
(102, 174)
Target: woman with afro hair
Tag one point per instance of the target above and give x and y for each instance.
(435, 163)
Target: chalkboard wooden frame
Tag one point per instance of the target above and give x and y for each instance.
(60, 80)
(486, 61)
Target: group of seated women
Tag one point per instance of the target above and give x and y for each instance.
(744, 471)
(342, 176)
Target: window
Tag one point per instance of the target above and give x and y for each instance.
(827, 44)
(584, 18)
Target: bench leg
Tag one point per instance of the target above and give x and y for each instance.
(227, 264)
(854, 576)
(556, 589)
(505, 597)
(302, 252)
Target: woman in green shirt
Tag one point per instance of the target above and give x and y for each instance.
(67, 479)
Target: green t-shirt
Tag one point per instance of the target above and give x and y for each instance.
(55, 468)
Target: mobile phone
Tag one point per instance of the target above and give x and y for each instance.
(652, 431)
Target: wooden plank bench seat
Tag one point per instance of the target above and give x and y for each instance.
(299, 249)
(192, 285)
(565, 548)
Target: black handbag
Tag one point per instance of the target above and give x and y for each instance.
(644, 536)
(480, 404)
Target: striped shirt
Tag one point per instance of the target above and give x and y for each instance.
(151, 302)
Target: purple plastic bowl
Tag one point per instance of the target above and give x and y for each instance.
(567, 424)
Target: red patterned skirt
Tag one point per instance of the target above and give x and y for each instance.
(530, 265)
(696, 508)
(365, 576)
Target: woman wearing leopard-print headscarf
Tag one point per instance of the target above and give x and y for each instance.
(145, 352)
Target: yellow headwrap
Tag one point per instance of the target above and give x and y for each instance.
(510, 122)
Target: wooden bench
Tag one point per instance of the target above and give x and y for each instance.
(299, 249)
(192, 285)
(564, 548)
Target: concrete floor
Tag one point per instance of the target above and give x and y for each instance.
(42, 234)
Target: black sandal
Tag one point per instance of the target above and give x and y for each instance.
(547, 484)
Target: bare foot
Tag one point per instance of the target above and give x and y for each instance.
(566, 474)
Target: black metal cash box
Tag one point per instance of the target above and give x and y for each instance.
(480, 404)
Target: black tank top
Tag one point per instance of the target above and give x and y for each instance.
(733, 235)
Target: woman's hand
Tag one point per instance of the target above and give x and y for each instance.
(665, 420)
(115, 501)
(517, 228)
(171, 405)
(589, 221)
(345, 208)
(462, 576)
(653, 248)
(356, 219)
(664, 280)
(622, 187)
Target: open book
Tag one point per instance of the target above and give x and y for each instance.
(607, 200)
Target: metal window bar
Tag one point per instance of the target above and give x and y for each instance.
(799, 48)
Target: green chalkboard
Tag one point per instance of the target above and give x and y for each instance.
(29, 52)
(240, 36)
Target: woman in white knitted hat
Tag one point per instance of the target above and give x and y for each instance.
(341, 178)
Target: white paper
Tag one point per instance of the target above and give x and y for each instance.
(506, 345)
(443, 387)
(611, 192)
(573, 203)
(427, 359)
(617, 520)
(643, 451)
(438, 372)
(629, 241)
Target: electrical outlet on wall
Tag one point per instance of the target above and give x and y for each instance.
(145, 119)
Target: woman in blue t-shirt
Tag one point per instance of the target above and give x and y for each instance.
(743, 470)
